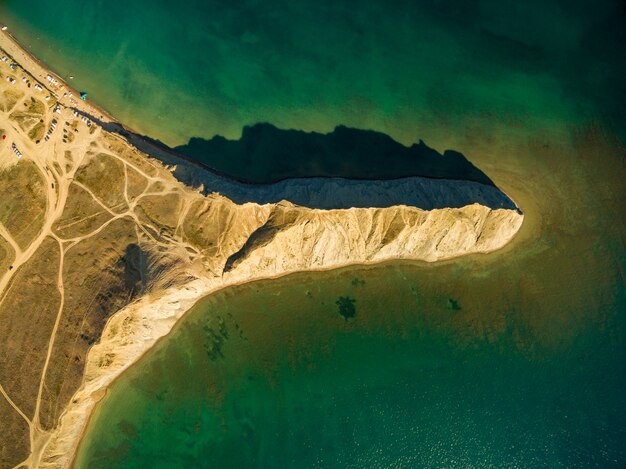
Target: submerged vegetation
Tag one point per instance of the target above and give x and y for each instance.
(216, 334)
(347, 308)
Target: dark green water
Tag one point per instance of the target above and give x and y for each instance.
(514, 359)
(426, 69)
(265, 376)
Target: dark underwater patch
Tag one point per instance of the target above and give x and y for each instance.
(347, 308)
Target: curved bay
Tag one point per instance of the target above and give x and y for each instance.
(512, 358)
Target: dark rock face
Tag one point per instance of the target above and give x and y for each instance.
(343, 169)
(266, 154)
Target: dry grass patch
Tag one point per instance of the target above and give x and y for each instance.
(142, 162)
(69, 161)
(162, 211)
(136, 183)
(82, 214)
(7, 255)
(36, 107)
(24, 120)
(30, 119)
(156, 186)
(102, 275)
(37, 132)
(27, 316)
(15, 445)
(22, 201)
(104, 176)
(9, 98)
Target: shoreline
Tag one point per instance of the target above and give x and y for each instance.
(99, 394)
(43, 69)
(156, 145)
(156, 314)
(90, 398)
(104, 392)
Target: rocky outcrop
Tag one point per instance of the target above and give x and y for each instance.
(338, 193)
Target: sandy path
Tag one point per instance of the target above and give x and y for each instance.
(7, 236)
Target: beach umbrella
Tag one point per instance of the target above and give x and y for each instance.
(83, 95)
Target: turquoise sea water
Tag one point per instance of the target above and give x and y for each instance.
(425, 69)
(514, 359)
(270, 375)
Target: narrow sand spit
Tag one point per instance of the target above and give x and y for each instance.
(311, 240)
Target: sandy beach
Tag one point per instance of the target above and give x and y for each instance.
(37, 69)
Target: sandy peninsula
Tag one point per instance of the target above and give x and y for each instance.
(113, 230)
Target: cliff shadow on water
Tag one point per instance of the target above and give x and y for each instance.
(342, 169)
(266, 154)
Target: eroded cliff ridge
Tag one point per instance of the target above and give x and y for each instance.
(103, 248)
